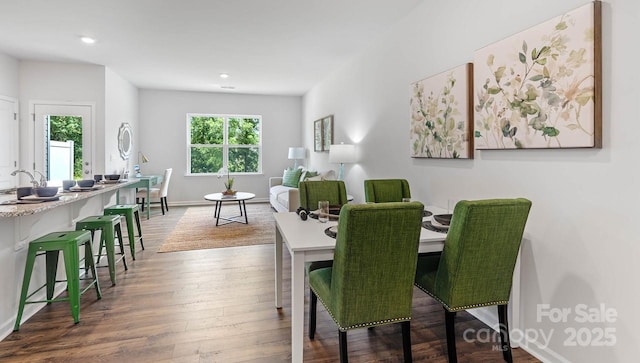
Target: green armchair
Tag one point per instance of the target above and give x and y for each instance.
(386, 190)
(476, 266)
(371, 280)
(313, 191)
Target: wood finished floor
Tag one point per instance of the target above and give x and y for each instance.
(216, 306)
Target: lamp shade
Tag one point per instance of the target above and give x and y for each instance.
(296, 153)
(142, 157)
(342, 153)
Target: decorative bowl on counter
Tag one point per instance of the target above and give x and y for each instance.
(23, 192)
(46, 191)
(112, 176)
(87, 183)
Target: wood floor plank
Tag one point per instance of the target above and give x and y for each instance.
(216, 306)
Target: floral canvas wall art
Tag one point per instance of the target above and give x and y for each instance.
(541, 88)
(441, 115)
(327, 132)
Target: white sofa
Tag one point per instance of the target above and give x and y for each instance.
(287, 199)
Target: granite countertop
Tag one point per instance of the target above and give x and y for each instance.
(16, 210)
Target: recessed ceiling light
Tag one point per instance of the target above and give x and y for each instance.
(224, 75)
(87, 40)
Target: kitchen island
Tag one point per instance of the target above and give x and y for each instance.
(22, 223)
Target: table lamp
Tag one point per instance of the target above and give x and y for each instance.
(296, 153)
(141, 158)
(342, 153)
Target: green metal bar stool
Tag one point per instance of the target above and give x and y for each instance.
(106, 224)
(50, 246)
(129, 212)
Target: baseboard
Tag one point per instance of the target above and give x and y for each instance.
(542, 353)
(31, 309)
(538, 350)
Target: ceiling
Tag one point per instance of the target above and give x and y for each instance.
(276, 47)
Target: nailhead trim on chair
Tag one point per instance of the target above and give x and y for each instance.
(362, 325)
(465, 307)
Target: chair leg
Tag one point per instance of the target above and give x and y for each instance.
(118, 233)
(406, 341)
(504, 333)
(162, 205)
(312, 314)
(166, 205)
(342, 337)
(449, 321)
(137, 217)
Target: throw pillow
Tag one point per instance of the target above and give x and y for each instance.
(310, 174)
(291, 178)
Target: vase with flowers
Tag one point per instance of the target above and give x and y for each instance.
(228, 185)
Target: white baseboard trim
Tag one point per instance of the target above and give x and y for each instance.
(543, 353)
(536, 349)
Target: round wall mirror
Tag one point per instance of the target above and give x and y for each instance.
(125, 140)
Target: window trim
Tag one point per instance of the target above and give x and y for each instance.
(225, 145)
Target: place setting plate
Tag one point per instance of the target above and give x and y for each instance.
(331, 231)
(83, 189)
(438, 223)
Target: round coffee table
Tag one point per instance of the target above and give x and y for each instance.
(239, 197)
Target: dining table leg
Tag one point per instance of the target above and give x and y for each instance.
(278, 270)
(297, 305)
(148, 201)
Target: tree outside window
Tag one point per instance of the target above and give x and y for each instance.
(231, 141)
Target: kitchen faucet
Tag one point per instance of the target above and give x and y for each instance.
(33, 180)
(43, 179)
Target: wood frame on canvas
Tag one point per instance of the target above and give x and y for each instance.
(442, 115)
(317, 135)
(542, 88)
(323, 133)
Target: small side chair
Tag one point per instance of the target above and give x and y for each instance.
(476, 266)
(157, 193)
(371, 280)
(386, 190)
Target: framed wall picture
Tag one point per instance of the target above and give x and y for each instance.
(323, 133)
(442, 115)
(542, 88)
(317, 135)
(327, 132)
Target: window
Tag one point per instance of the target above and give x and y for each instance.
(217, 141)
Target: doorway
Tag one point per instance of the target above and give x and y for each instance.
(63, 141)
(8, 141)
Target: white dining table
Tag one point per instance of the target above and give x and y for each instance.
(306, 242)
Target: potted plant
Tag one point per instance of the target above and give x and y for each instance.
(228, 185)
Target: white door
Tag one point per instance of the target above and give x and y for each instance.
(8, 142)
(80, 122)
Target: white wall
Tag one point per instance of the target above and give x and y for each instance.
(581, 241)
(163, 137)
(121, 105)
(67, 83)
(8, 76)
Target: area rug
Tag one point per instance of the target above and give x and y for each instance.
(197, 230)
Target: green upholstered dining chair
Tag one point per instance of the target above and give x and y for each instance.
(313, 191)
(371, 280)
(386, 190)
(476, 266)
